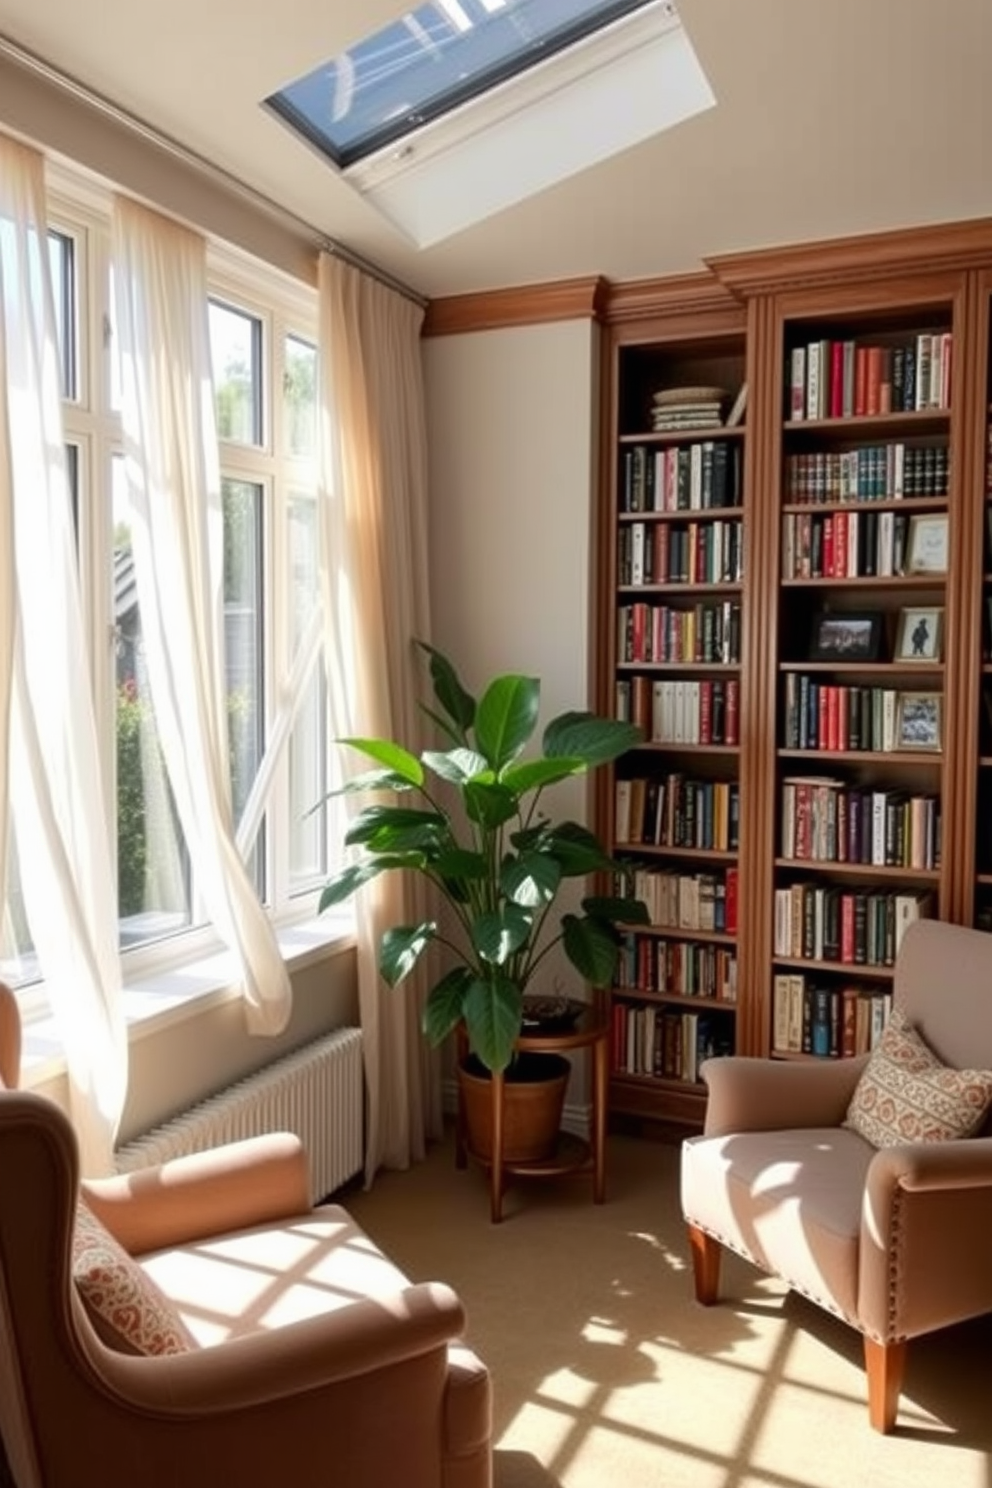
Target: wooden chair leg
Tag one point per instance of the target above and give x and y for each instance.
(705, 1265)
(885, 1364)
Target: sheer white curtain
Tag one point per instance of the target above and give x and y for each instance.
(174, 494)
(49, 737)
(374, 568)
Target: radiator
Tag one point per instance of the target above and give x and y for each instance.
(316, 1091)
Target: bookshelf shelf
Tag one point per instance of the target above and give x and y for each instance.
(674, 587)
(687, 514)
(849, 969)
(866, 668)
(929, 421)
(859, 870)
(914, 758)
(875, 585)
(905, 504)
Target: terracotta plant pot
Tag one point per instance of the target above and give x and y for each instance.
(533, 1101)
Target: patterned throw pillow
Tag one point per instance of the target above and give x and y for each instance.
(125, 1306)
(905, 1094)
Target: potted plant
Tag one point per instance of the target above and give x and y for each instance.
(479, 834)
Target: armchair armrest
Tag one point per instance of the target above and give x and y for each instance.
(747, 1094)
(207, 1193)
(925, 1221)
(309, 1354)
(919, 1167)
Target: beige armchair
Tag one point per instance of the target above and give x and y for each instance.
(300, 1354)
(893, 1239)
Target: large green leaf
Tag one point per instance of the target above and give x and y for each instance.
(617, 911)
(457, 702)
(589, 738)
(456, 765)
(506, 718)
(395, 758)
(369, 780)
(445, 1005)
(578, 850)
(529, 774)
(592, 947)
(489, 804)
(493, 1011)
(396, 829)
(531, 879)
(497, 935)
(343, 884)
(459, 862)
(401, 948)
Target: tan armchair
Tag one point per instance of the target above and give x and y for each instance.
(894, 1240)
(311, 1361)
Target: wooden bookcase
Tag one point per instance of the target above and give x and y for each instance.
(861, 769)
(673, 598)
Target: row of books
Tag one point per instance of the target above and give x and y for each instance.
(665, 1044)
(829, 1022)
(673, 811)
(854, 927)
(874, 472)
(845, 379)
(696, 711)
(693, 477)
(705, 902)
(685, 968)
(706, 633)
(846, 545)
(829, 717)
(670, 553)
(829, 821)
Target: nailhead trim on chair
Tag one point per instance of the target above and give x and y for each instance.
(826, 1303)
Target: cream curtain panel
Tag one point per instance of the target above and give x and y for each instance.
(176, 512)
(373, 529)
(49, 762)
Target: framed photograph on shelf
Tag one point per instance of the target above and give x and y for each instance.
(926, 546)
(920, 636)
(918, 721)
(843, 636)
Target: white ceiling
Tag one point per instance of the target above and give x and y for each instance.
(832, 117)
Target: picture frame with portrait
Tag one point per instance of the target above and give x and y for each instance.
(919, 721)
(920, 634)
(846, 636)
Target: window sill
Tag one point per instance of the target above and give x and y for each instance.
(171, 996)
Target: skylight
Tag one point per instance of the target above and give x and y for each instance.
(462, 107)
(431, 59)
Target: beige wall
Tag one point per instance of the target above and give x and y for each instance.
(512, 436)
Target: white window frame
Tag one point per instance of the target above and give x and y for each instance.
(80, 207)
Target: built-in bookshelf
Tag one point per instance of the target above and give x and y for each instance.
(678, 542)
(809, 655)
(865, 545)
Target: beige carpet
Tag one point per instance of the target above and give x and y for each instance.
(607, 1373)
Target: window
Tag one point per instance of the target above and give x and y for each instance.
(264, 356)
(463, 107)
(426, 63)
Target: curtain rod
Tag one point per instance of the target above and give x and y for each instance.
(31, 62)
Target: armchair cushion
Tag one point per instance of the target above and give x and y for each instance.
(906, 1094)
(125, 1306)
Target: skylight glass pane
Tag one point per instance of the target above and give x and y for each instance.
(434, 57)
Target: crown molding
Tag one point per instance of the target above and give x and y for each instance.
(525, 304)
(947, 246)
(695, 293)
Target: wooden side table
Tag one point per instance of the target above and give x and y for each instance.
(572, 1154)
